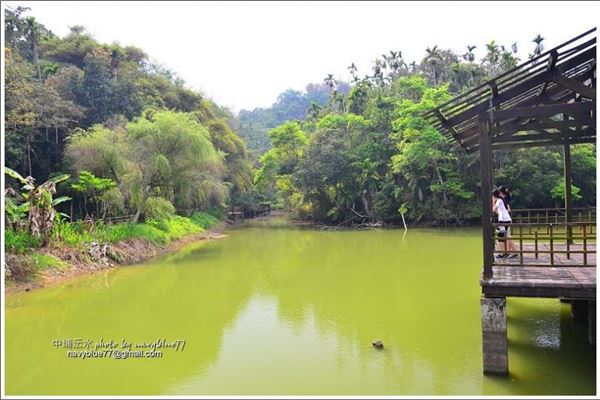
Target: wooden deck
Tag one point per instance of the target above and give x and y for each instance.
(537, 277)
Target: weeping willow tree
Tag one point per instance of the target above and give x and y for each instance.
(163, 154)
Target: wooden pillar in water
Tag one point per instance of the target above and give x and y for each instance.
(494, 336)
(485, 153)
(592, 322)
(579, 310)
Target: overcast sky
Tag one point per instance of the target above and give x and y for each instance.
(243, 55)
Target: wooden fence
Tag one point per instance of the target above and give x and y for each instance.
(547, 244)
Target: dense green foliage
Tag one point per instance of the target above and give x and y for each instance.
(134, 139)
(368, 155)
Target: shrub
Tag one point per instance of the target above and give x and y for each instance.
(177, 227)
(72, 233)
(18, 242)
(158, 208)
(128, 230)
(113, 201)
(204, 220)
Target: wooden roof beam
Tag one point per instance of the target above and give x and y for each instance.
(541, 143)
(512, 128)
(552, 58)
(537, 136)
(576, 86)
(444, 122)
(540, 111)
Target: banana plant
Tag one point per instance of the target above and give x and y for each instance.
(39, 203)
(16, 214)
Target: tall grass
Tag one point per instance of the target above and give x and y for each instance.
(205, 220)
(19, 242)
(157, 231)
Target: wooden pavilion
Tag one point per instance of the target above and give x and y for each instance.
(549, 100)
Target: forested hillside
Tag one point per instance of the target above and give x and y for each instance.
(368, 156)
(133, 138)
(290, 105)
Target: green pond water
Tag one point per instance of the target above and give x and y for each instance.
(290, 311)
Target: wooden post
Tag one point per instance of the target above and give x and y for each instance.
(551, 244)
(592, 322)
(584, 247)
(579, 310)
(485, 151)
(494, 336)
(521, 244)
(568, 184)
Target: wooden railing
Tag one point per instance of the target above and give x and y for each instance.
(552, 215)
(547, 244)
(116, 219)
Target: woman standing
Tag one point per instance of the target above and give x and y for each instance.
(505, 220)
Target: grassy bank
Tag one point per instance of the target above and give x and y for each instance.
(70, 245)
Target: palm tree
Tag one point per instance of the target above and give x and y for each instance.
(352, 68)
(396, 62)
(33, 33)
(432, 58)
(469, 55)
(116, 56)
(508, 61)
(493, 52)
(330, 81)
(539, 47)
(340, 100)
(313, 110)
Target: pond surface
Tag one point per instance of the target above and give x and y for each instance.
(290, 311)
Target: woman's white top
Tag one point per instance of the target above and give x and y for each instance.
(503, 214)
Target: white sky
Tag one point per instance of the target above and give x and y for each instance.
(244, 54)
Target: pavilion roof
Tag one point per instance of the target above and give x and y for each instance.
(548, 100)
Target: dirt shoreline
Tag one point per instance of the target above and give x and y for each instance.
(79, 262)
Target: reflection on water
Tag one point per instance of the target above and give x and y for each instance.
(294, 311)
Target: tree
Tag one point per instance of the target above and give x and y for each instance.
(92, 188)
(173, 157)
(469, 55)
(314, 110)
(33, 33)
(97, 86)
(22, 113)
(426, 163)
(352, 68)
(432, 58)
(539, 47)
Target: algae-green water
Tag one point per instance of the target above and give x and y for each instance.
(290, 311)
